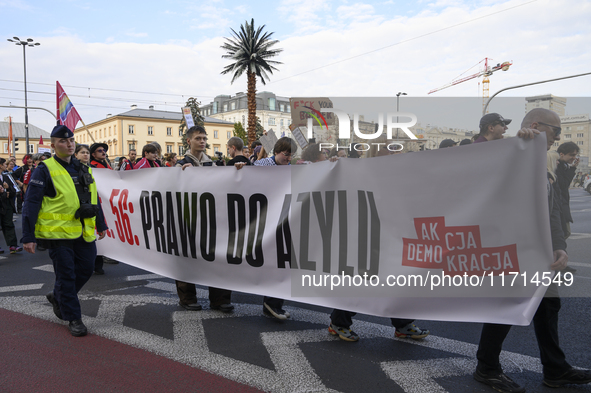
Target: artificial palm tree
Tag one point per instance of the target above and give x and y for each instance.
(250, 50)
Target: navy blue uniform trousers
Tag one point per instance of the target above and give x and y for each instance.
(73, 264)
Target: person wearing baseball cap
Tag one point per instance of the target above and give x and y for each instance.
(447, 143)
(492, 126)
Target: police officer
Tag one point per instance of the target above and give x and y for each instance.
(60, 213)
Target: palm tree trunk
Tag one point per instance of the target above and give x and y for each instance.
(252, 106)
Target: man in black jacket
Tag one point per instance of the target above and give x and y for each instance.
(219, 299)
(557, 372)
(565, 173)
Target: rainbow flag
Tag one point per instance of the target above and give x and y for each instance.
(66, 113)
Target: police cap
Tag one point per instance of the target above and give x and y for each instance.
(61, 131)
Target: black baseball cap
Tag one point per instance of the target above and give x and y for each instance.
(490, 118)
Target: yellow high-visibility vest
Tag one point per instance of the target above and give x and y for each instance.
(56, 220)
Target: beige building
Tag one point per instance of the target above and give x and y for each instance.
(433, 135)
(18, 131)
(547, 101)
(273, 111)
(138, 127)
(576, 128)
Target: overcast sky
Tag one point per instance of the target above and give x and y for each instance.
(170, 50)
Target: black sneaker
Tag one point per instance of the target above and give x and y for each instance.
(56, 307)
(499, 382)
(571, 377)
(77, 328)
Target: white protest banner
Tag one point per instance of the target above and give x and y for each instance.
(188, 117)
(453, 234)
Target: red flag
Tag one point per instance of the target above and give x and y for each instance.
(41, 139)
(66, 113)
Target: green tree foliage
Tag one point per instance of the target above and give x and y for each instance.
(198, 119)
(250, 51)
(240, 132)
(259, 129)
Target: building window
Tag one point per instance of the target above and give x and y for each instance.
(568, 128)
(567, 136)
(233, 105)
(215, 134)
(243, 123)
(109, 131)
(282, 107)
(580, 143)
(215, 107)
(150, 130)
(130, 146)
(271, 121)
(225, 107)
(115, 130)
(5, 147)
(579, 128)
(181, 150)
(31, 149)
(131, 129)
(180, 131)
(271, 103)
(169, 131)
(216, 149)
(281, 122)
(229, 134)
(169, 148)
(580, 135)
(288, 109)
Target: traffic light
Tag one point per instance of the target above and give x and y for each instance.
(15, 144)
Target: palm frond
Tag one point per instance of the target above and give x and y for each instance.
(250, 49)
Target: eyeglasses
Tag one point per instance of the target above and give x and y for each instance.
(557, 130)
(287, 155)
(100, 151)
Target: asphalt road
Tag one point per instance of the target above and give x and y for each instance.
(140, 311)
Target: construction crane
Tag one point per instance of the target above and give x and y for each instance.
(486, 72)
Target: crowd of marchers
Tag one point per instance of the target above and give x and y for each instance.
(61, 214)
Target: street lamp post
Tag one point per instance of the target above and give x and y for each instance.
(24, 44)
(398, 108)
